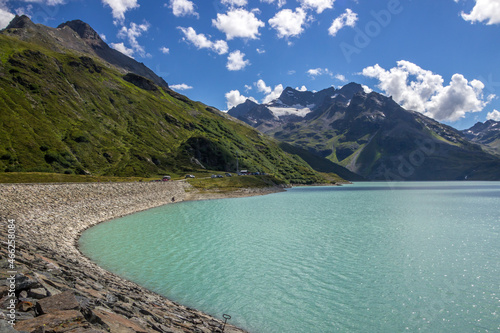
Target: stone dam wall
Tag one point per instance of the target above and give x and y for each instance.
(57, 289)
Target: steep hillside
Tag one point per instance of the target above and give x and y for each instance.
(63, 109)
(372, 135)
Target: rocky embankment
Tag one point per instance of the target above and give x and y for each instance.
(57, 289)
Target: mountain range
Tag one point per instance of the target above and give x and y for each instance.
(373, 136)
(71, 104)
(487, 133)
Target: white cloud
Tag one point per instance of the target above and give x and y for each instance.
(340, 77)
(313, 72)
(318, 5)
(202, 42)
(303, 88)
(119, 7)
(270, 93)
(5, 17)
(238, 23)
(288, 23)
(280, 3)
(261, 87)
(220, 47)
(291, 72)
(234, 3)
(493, 115)
(349, 19)
(423, 91)
(183, 8)
(274, 94)
(123, 49)
(260, 51)
(484, 10)
(181, 86)
(47, 2)
(366, 89)
(135, 31)
(25, 11)
(234, 98)
(248, 88)
(235, 61)
(198, 40)
(164, 50)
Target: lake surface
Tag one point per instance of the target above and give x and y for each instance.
(367, 257)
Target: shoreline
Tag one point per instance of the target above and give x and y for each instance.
(49, 220)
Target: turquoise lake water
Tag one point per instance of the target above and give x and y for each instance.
(367, 257)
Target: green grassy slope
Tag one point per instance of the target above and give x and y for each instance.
(66, 113)
(321, 164)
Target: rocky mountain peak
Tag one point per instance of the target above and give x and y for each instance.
(84, 30)
(79, 36)
(350, 89)
(20, 22)
(250, 102)
(480, 127)
(487, 133)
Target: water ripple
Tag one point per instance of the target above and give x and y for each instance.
(366, 257)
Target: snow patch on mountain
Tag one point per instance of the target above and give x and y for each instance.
(295, 110)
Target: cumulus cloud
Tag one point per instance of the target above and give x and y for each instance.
(181, 86)
(220, 47)
(234, 3)
(349, 19)
(234, 98)
(5, 17)
(202, 42)
(318, 5)
(164, 50)
(280, 3)
(135, 31)
(366, 89)
(261, 87)
(183, 8)
(123, 49)
(238, 23)
(313, 72)
(47, 2)
(303, 88)
(484, 10)
(421, 90)
(289, 23)
(119, 7)
(274, 94)
(235, 61)
(270, 93)
(493, 115)
(340, 77)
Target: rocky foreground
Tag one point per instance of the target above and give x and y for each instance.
(51, 287)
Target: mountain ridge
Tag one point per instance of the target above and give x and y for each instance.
(371, 135)
(79, 36)
(487, 133)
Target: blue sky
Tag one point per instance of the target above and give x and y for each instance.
(439, 57)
